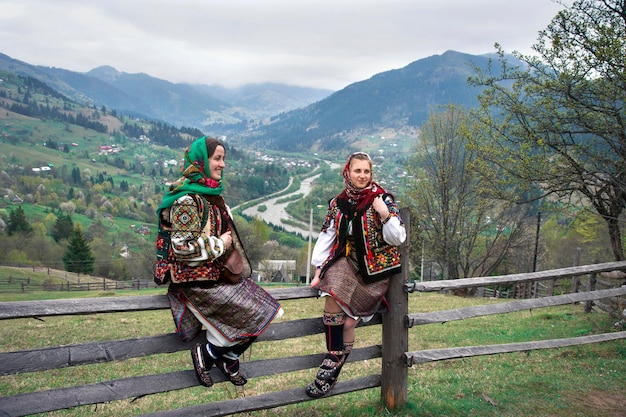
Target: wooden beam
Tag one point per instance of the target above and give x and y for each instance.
(455, 284)
(118, 389)
(105, 351)
(395, 334)
(433, 355)
(266, 401)
(78, 306)
(519, 305)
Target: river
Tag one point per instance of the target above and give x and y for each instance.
(275, 212)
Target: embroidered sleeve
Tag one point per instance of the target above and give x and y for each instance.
(324, 245)
(190, 243)
(394, 232)
(331, 214)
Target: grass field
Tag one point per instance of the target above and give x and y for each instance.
(577, 381)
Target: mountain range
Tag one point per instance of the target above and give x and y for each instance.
(277, 116)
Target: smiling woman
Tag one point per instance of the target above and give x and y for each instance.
(196, 235)
(354, 256)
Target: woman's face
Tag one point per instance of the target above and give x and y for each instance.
(360, 173)
(217, 163)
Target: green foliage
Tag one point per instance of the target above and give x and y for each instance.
(63, 227)
(78, 257)
(556, 121)
(460, 225)
(291, 241)
(17, 222)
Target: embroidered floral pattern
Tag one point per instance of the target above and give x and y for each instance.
(379, 258)
(189, 218)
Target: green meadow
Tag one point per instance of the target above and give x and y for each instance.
(576, 381)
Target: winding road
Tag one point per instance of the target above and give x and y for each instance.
(275, 212)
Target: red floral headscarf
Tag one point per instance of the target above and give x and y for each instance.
(362, 197)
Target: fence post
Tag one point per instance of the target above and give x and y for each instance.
(591, 287)
(576, 278)
(394, 378)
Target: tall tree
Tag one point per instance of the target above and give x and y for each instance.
(558, 120)
(63, 227)
(464, 230)
(78, 257)
(17, 222)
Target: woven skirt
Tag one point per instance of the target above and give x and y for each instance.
(343, 282)
(237, 312)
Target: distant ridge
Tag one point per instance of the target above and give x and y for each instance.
(278, 116)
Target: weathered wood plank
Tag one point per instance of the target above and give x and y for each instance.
(434, 355)
(106, 351)
(73, 306)
(266, 401)
(509, 307)
(57, 399)
(43, 308)
(455, 284)
(293, 293)
(395, 375)
(87, 353)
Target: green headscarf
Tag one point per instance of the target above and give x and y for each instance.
(196, 179)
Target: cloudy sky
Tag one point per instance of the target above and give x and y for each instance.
(317, 43)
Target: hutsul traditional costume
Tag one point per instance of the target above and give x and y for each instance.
(192, 217)
(356, 252)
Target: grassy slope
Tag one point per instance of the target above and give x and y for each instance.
(577, 381)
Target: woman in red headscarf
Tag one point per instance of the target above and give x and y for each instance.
(354, 256)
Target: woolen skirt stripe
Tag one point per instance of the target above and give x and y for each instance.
(237, 311)
(345, 285)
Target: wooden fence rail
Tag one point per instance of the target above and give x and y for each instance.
(93, 352)
(394, 351)
(25, 286)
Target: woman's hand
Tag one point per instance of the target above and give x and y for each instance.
(227, 238)
(316, 278)
(380, 206)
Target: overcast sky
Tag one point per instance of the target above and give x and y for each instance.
(318, 43)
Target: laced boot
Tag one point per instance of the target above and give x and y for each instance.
(229, 365)
(202, 364)
(327, 374)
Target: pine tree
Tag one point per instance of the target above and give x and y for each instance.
(63, 227)
(17, 222)
(78, 257)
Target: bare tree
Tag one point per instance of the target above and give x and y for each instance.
(558, 120)
(461, 227)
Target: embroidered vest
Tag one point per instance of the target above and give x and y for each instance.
(376, 258)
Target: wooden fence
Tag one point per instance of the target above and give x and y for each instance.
(591, 296)
(24, 285)
(395, 354)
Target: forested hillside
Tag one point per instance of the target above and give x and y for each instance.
(66, 165)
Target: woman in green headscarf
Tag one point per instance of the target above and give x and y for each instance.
(196, 232)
